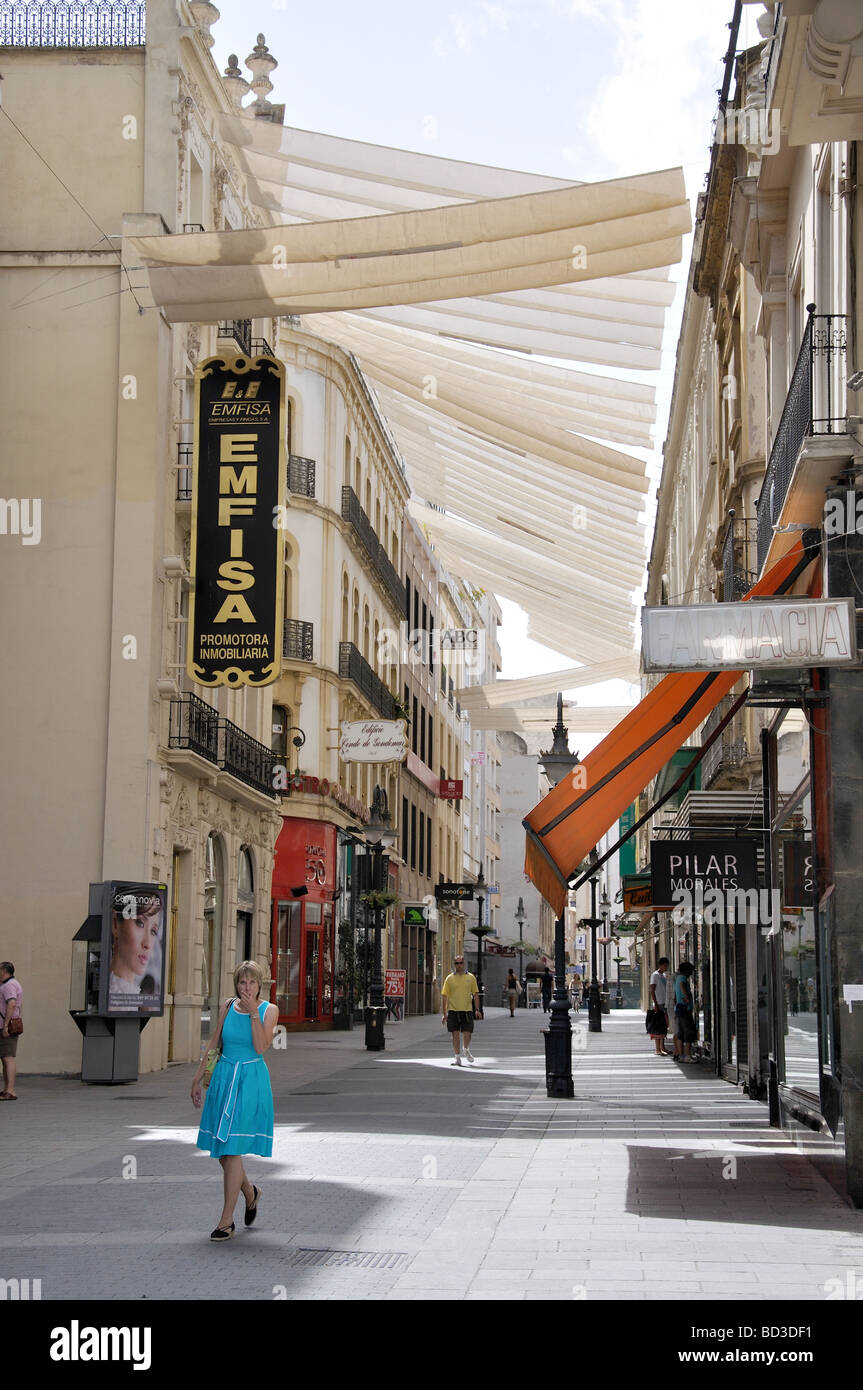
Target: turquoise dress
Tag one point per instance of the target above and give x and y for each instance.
(238, 1112)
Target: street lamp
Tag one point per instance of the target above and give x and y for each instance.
(480, 892)
(594, 1003)
(605, 912)
(379, 836)
(557, 763)
(520, 920)
(618, 995)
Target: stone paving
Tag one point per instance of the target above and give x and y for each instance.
(396, 1176)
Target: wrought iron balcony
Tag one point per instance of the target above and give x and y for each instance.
(71, 24)
(812, 407)
(298, 640)
(354, 667)
(195, 725)
(241, 332)
(360, 524)
(393, 585)
(737, 551)
(730, 750)
(365, 532)
(261, 348)
(301, 476)
(185, 454)
(247, 759)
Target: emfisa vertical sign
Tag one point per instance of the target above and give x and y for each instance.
(235, 617)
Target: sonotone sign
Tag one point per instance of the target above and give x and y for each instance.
(235, 611)
(756, 635)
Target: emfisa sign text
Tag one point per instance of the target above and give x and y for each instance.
(235, 617)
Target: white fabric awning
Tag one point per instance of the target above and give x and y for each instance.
(446, 280)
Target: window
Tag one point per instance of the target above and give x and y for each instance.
(422, 841)
(430, 758)
(405, 829)
(407, 600)
(414, 724)
(429, 851)
(422, 749)
(413, 836)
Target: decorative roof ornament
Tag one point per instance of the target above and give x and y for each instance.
(235, 83)
(261, 63)
(205, 16)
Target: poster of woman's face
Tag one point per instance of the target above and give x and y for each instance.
(136, 973)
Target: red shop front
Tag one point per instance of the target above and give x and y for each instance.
(304, 885)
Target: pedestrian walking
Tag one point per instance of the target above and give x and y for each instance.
(546, 985)
(460, 993)
(684, 1012)
(575, 992)
(513, 990)
(238, 1113)
(12, 1027)
(659, 1001)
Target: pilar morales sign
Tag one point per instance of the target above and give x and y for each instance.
(239, 479)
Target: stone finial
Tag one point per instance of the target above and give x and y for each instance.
(261, 63)
(205, 16)
(235, 82)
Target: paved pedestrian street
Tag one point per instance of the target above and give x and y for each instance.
(397, 1176)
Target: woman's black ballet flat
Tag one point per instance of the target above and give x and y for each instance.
(252, 1207)
(221, 1234)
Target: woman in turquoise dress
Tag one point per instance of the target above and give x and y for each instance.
(238, 1112)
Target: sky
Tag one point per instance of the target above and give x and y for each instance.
(581, 89)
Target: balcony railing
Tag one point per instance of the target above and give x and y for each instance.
(298, 640)
(195, 725)
(354, 667)
(72, 24)
(261, 348)
(393, 585)
(737, 552)
(362, 527)
(365, 532)
(811, 407)
(185, 454)
(247, 759)
(301, 476)
(730, 749)
(241, 332)
(200, 728)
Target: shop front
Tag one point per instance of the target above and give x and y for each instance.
(304, 893)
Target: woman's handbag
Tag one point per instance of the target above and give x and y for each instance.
(214, 1052)
(15, 1027)
(655, 1021)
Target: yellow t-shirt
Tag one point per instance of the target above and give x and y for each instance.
(458, 990)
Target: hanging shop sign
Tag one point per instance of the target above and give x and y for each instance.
(238, 498)
(373, 741)
(448, 892)
(133, 945)
(699, 867)
(798, 873)
(451, 789)
(637, 892)
(756, 635)
(414, 915)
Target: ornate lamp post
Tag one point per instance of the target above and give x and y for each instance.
(594, 1001)
(557, 763)
(380, 836)
(520, 920)
(605, 942)
(480, 892)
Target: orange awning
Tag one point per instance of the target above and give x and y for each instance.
(569, 821)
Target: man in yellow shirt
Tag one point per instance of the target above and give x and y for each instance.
(460, 994)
